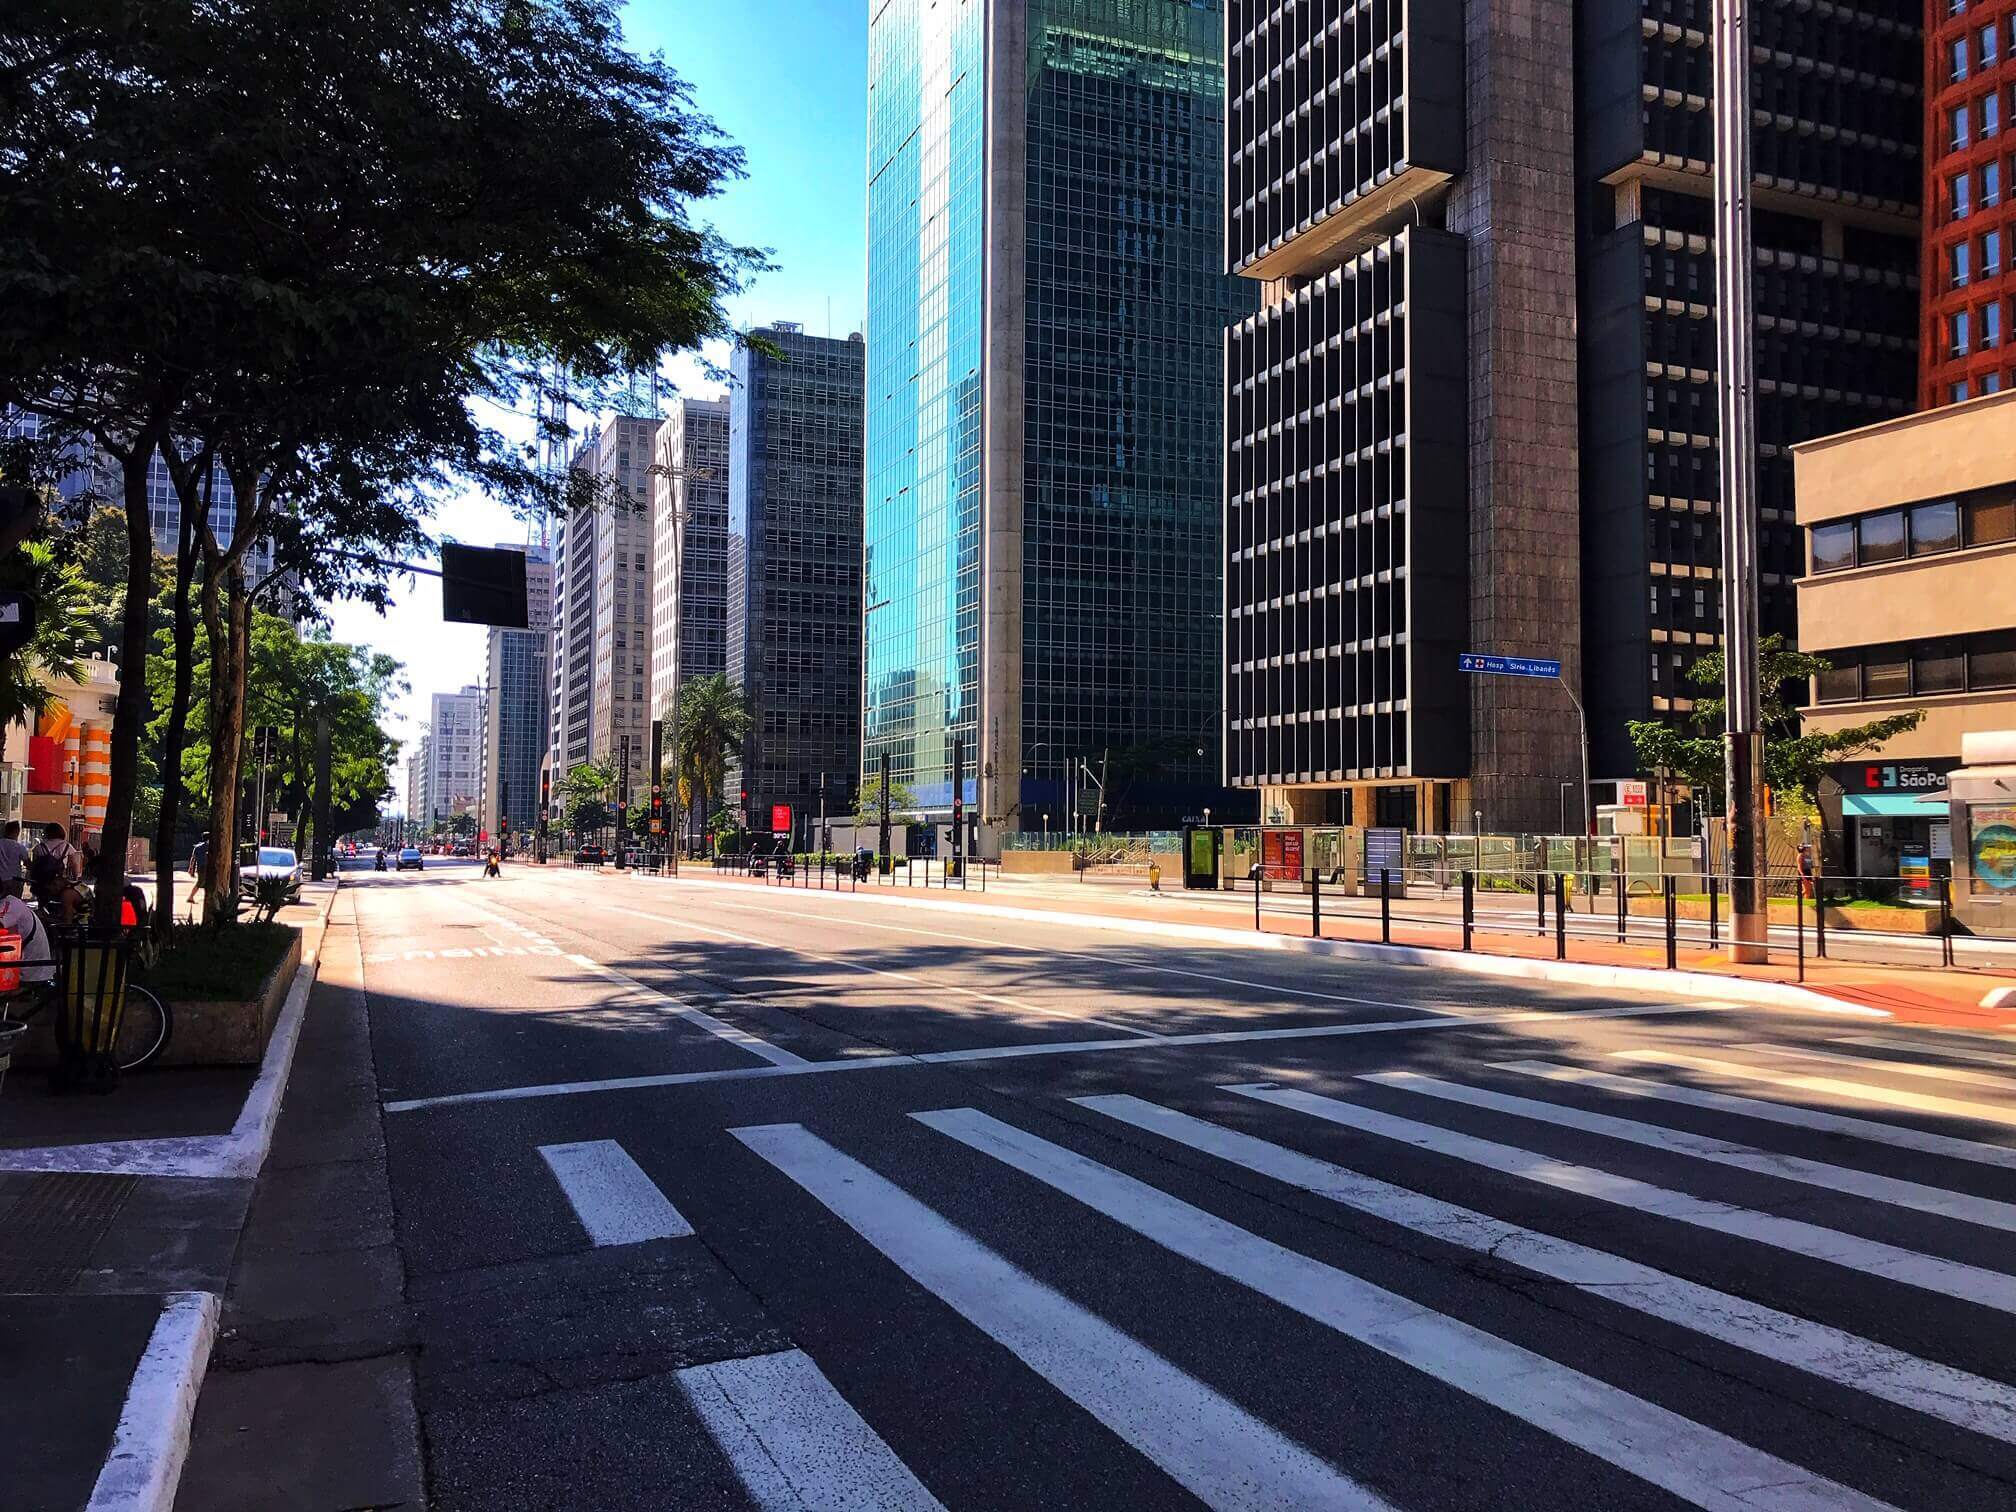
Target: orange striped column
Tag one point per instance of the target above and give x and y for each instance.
(94, 774)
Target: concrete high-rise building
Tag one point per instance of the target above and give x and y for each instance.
(1838, 122)
(1461, 426)
(1969, 271)
(1047, 302)
(516, 722)
(416, 784)
(571, 704)
(424, 807)
(620, 454)
(689, 552)
(454, 752)
(794, 571)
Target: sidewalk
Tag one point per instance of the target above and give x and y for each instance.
(1929, 996)
(119, 1220)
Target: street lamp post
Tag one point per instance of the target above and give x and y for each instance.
(1735, 337)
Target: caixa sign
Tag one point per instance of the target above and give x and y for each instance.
(1892, 776)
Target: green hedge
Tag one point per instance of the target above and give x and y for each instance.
(228, 965)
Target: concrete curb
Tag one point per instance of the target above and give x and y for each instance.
(1686, 984)
(2001, 997)
(239, 1153)
(152, 1439)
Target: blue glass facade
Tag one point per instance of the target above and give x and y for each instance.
(921, 524)
(1047, 305)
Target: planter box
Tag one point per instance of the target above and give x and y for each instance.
(206, 1033)
(1037, 863)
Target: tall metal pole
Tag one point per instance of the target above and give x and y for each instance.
(959, 807)
(885, 863)
(1735, 331)
(622, 800)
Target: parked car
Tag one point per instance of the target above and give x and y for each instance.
(411, 859)
(271, 861)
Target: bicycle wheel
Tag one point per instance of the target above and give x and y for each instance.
(144, 1033)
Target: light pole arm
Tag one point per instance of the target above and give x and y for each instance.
(1582, 724)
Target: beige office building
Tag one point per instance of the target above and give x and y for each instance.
(1910, 592)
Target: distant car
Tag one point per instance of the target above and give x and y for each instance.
(271, 861)
(410, 858)
(590, 855)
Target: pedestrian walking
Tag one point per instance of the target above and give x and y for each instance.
(13, 853)
(1805, 870)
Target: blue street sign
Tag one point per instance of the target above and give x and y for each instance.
(1507, 666)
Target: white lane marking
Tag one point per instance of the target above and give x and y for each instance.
(727, 1031)
(1707, 1468)
(1127, 962)
(1775, 1112)
(795, 1442)
(1929, 1047)
(1890, 1097)
(1868, 1257)
(1893, 1067)
(151, 1440)
(1967, 1401)
(615, 1201)
(1018, 1004)
(1217, 1450)
(1888, 1189)
(1012, 1052)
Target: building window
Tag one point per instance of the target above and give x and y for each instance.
(1958, 188)
(1991, 114)
(1991, 253)
(1956, 55)
(1991, 324)
(1992, 519)
(1880, 537)
(1833, 546)
(1991, 660)
(1956, 333)
(1957, 392)
(1939, 666)
(1841, 682)
(1985, 45)
(1935, 527)
(1991, 184)
(1991, 383)
(1957, 257)
(1886, 672)
(1956, 128)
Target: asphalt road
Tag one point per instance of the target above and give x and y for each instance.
(719, 1198)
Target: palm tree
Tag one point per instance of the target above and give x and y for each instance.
(51, 653)
(713, 721)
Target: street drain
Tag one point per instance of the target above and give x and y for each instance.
(53, 1227)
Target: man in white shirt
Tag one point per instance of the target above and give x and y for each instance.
(13, 854)
(18, 918)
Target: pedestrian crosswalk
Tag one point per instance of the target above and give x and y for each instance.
(1718, 1300)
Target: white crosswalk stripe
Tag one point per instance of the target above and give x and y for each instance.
(1944, 1047)
(1965, 1400)
(795, 1442)
(1791, 1115)
(1888, 1067)
(1888, 1189)
(1892, 1097)
(1705, 1467)
(615, 1201)
(1217, 1450)
(1870, 1257)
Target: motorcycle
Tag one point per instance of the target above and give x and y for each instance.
(381, 862)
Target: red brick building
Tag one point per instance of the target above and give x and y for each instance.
(1965, 347)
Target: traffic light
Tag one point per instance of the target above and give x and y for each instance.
(657, 809)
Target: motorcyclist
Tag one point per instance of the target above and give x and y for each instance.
(381, 858)
(490, 867)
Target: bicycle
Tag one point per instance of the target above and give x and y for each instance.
(144, 1032)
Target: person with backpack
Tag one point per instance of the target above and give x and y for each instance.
(53, 868)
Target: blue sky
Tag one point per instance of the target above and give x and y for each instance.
(786, 80)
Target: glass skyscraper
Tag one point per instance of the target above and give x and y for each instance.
(1047, 305)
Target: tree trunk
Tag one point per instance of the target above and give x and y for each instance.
(129, 718)
(176, 736)
(227, 740)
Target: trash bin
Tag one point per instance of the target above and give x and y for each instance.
(90, 1010)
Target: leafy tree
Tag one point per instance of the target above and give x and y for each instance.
(51, 654)
(1793, 763)
(714, 720)
(868, 802)
(585, 795)
(304, 238)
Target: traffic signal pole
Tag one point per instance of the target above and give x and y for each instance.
(1735, 352)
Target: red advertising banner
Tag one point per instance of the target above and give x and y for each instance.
(1281, 855)
(780, 818)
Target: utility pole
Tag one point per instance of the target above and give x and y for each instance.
(885, 863)
(1099, 824)
(823, 845)
(1735, 351)
(322, 865)
(959, 806)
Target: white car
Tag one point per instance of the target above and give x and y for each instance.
(273, 862)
